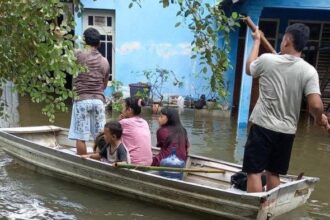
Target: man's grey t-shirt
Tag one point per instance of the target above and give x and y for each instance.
(283, 81)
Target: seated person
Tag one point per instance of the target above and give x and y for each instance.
(99, 143)
(171, 134)
(136, 134)
(115, 150)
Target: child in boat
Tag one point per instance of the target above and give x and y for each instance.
(115, 150)
(99, 143)
(171, 134)
(136, 134)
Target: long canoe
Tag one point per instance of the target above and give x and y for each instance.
(47, 149)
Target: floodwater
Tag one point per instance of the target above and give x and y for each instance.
(25, 194)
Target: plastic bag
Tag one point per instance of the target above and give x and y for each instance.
(172, 161)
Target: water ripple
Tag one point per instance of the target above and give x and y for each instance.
(18, 202)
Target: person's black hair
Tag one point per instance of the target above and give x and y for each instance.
(115, 128)
(299, 34)
(177, 131)
(99, 142)
(92, 37)
(173, 118)
(135, 103)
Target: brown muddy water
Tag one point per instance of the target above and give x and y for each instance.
(25, 194)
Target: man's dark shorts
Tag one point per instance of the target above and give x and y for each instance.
(267, 150)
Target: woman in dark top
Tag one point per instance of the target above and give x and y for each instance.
(171, 135)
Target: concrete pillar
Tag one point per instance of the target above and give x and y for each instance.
(246, 85)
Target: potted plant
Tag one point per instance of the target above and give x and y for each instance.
(211, 101)
(224, 94)
(115, 103)
(157, 79)
(201, 102)
(140, 89)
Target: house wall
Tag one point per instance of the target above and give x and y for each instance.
(146, 38)
(285, 15)
(284, 10)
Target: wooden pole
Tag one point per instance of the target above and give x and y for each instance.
(172, 169)
(265, 43)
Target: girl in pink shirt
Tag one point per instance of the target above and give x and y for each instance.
(136, 133)
(170, 135)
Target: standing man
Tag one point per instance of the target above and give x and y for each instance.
(283, 80)
(88, 114)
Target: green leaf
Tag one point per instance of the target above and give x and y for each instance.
(177, 24)
(209, 30)
(166, 3)
(187, 13)
(204, 69)
(234, 15)
(34, 57)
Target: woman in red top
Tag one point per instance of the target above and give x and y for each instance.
(171, 134)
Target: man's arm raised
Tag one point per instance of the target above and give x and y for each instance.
(255, 50)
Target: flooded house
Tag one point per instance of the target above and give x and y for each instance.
(139, 38)
(272, 17)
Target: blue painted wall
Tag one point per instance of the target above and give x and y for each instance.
(285, 15)
(146, 38)
(250, 6)
(284, 10)
(246, 86)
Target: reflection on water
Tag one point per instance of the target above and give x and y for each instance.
(10, 101)
(28, 195)
(309, 156)
(20, 196)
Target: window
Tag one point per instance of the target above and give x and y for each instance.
(311, 50)
(103, 21)
(90, 20)
(99, 21)
(109, 21)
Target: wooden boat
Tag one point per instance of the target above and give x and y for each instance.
(47, 149)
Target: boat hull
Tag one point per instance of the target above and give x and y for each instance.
(184, 195)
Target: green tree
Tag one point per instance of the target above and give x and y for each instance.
(36, 52)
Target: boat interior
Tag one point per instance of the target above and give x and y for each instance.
(57, 138)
